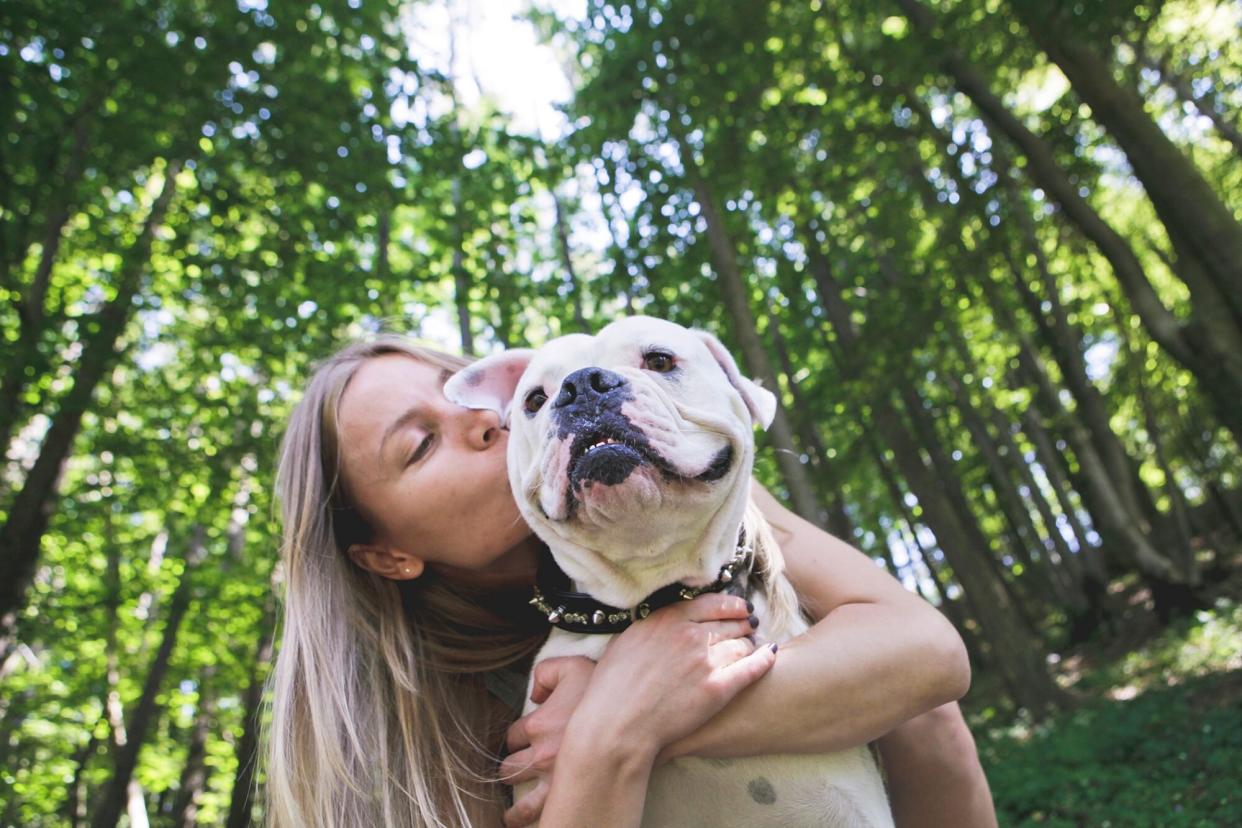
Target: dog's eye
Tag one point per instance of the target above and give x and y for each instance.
(535, 400)
(659, 361)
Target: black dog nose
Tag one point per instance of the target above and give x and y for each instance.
(587, 385)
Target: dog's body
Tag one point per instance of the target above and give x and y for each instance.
(630, 456)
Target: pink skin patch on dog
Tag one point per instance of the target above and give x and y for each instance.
(555, 473)
(603, 505)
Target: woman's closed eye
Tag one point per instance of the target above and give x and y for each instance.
(421, 451)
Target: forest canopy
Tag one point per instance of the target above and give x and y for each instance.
(987, 252)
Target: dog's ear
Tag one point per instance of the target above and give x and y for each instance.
(760, 401)
(490, 382)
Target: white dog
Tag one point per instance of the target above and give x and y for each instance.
(630, 455)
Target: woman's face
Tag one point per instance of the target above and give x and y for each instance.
(429, 476)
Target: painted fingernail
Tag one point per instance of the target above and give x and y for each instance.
(750, 606)
(773, 646)
(754, 621)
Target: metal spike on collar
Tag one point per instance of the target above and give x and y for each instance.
(598, 617)
(555, 616)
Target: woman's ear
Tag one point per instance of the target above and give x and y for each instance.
(490, 382)
(385, 561)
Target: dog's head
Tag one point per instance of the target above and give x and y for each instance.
(629, 452)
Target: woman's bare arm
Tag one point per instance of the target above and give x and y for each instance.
(876, 657)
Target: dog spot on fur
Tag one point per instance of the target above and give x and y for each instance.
(761, 791)
(474, 379)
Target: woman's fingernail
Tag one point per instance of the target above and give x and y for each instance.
(754, 621)
(750, 606)
(773, 646)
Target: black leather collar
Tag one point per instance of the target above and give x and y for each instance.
(580, 613)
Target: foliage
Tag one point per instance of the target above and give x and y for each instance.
(1161, 757)
(200, 198)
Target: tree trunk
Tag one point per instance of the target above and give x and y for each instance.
(195, 772)
(567, 262)
(1052, 462)
(112, 800)
(32, 507)
(74, 810)
(241, 803)
(32, 308)
(461, 277)
(808, 437)
(1209, 344)
(733, 288)
(1204, 232)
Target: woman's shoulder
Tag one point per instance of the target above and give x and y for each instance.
(508, 686)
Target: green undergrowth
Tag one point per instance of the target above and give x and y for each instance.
(1157, 740)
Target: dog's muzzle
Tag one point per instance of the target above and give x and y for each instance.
(605, 447)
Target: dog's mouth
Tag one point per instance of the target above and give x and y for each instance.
(608, 457)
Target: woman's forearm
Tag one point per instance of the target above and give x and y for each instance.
(855, 675)
(597, 783)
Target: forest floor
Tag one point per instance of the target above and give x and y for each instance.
(1156, 739)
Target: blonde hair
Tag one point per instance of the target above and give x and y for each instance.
(379, 713)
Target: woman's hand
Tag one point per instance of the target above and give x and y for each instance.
(658, 681)
(668, 674)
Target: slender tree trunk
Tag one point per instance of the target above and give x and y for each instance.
(1204, 232)
(461, 277)
(1209, 344)
(733, 288)
(241, 803)
(622, 275)
(808, 434)
(567, 262)
(1052, 462)
(195, 772)
(142, 717)
(74, 810)
(31, 509)
(25, 360)
(1183, 549)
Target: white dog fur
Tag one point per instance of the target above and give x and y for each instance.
(673, 516)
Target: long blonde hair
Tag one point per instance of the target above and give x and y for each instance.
(379, 714)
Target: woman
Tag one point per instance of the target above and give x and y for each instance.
(408, 569)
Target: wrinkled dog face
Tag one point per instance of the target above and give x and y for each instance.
(644, 428)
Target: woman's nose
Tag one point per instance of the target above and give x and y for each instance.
(482, 428)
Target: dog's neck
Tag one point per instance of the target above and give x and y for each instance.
(565, 607)
(694, 558)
